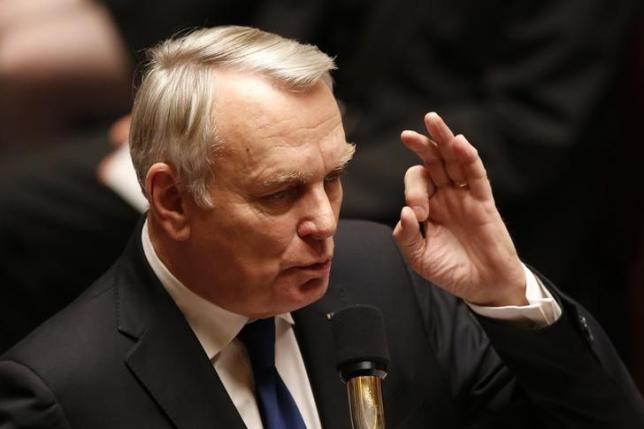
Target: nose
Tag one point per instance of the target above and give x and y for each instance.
(320, 220)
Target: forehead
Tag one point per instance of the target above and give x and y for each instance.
(266, 128)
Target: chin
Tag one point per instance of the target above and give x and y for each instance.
(292, 297)
(314, 289)
(307, 293)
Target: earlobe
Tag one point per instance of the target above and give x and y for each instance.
(166, 199)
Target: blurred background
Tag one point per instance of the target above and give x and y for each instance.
(550, 92)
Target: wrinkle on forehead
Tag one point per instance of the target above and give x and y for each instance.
(261, 158)
(245, 102)
(277, 123)
(259, 124)
(299, 176)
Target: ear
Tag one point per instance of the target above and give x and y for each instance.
(167, 201)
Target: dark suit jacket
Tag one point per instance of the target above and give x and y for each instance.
(122, 355)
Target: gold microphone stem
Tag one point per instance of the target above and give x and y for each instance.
(365, 402)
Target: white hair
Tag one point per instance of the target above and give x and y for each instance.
(172, 118)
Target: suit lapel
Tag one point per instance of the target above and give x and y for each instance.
(314, 336)
(167, 358)
(178, 375)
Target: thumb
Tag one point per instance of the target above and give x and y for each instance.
(407, 235)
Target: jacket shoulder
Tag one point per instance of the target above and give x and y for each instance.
(72, 337)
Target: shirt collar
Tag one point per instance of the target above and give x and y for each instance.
(215, 327)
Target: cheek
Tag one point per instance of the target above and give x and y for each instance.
(249, 240)
(267, 241)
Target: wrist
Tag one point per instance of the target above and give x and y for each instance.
(514, 295)
(513, 291)
(516, 298)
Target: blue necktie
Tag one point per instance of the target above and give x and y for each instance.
(276, 405)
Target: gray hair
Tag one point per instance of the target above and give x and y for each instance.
(172, 115)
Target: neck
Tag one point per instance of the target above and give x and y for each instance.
(176, 257)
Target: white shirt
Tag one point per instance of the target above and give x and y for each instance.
(217, 329)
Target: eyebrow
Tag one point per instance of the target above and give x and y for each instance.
(299, 178)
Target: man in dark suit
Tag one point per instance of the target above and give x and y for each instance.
(487, 67)
(239, 146)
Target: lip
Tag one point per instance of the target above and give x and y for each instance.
(315, 267)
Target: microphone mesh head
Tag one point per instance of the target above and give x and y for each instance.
(359, 335)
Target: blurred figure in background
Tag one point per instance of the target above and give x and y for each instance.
(535, 84)
(63, 66)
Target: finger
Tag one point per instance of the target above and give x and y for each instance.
(473, 169)
(427, 151)
(444, 138)
(437, 129)
(453, 162)
(407, 235)
(418, 189)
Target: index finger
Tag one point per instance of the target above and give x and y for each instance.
(429, 154)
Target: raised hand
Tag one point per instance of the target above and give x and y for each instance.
(466, 248)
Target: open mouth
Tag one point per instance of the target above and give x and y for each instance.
(316, 268)
(320, 266)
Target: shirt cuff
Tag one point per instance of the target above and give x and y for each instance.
(542, 310)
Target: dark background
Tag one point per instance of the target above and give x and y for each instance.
(551, 93)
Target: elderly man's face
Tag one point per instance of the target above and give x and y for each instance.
(266, 246)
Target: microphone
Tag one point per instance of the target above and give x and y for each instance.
(362, 358)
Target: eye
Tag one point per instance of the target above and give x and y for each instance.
(277, 196)
(282, 196)
(333, 177)
(280, 201)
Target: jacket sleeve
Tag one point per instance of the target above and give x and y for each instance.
(26, 401)
(564, 375)
(569, 370)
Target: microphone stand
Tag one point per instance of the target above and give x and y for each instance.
(365, 402)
